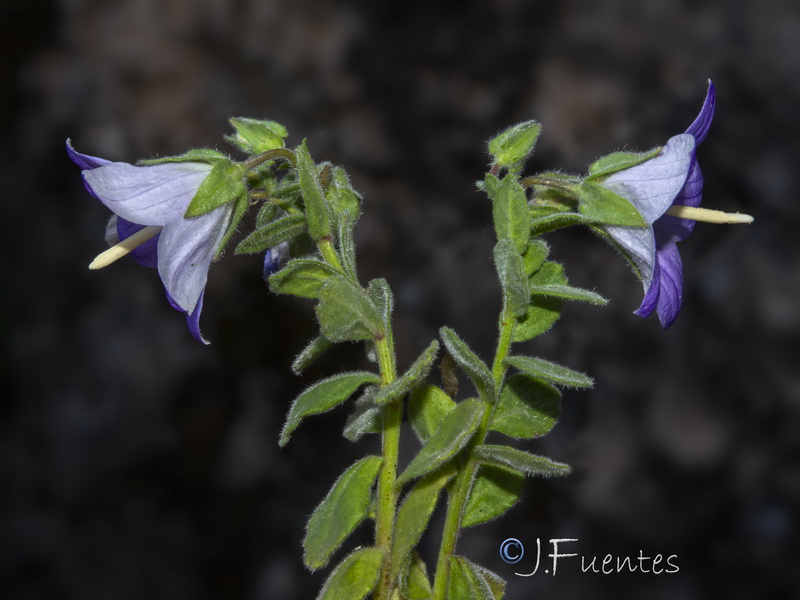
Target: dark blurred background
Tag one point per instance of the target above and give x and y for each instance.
(137, 463)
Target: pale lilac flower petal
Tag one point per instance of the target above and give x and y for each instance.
(185, 250)
(84, 161)
(671, 283)
(653, 185)
(151, 195)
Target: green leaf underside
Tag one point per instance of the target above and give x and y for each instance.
(417, 586)
(346, 312)
(223, 184)
(545, 219)
(347, 247)
(340, 512)
(354, 577)
(315, 348)
(453, 434)
(495, 491)
(466, 582)
(617, 161)
(382, 299)
(427, 406)
(511, 273)
(302, 277)
(530, 464)
(365, 418)
(528, 407)
(535, 256)
(415, 512)
(510, 212)
(473, 366)
(604, 206)
(553, 372)
(568, 292)
(266, 214)
(278, 231)
(317, 211)
(322, 397)
(543, 311)
(416, 373)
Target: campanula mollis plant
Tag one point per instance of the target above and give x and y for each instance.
(177, 214)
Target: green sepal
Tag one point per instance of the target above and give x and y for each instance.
(515, 144)
(466, 582)
(415, 512)
(272, 234)
(340, 512)
(344, 201)
(495, 491)
(545, 219)
(207, 155)
(345, 312)
(568, 292)
(412, 378)
(489, 185)
(317, 209)
(510, 213)
(266, 214)
(604, 206)
(223, 184)
(428, 405)
(552, 372)
(454, 433)
(308, 355)
(473, 366)
(513, 282)
(366, 416)
(618, 161)
(302, 277)
(528, 407)
(239, 209)
(534, 256)
(530, 464)
(416, 585)
(254, 136)
(380, 293)
(322, 397)
(354, 577)
(543, 311)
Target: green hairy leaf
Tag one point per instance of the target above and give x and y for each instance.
(415, 375)
(355, 577)
(553, 372)
(543, 311)
(347, 247)
(272, 234)
(530, 464)
(466, 582)
(317, 210)
(381, 295)
(569, 293)
(510, 271)
(417, 586)
(528, 407)
(427, 407)
(346, 312)
(316, 348)
(415, 512)
(604, 206)
(340, 512)
(224, 184)
(510, 213)
(453, 434)
(194, 155)
(495, 491)
(617, 161)
(534, 256)
(545, 219)
(302, 277)
(473, 366)
(342, 198)
(322, 397)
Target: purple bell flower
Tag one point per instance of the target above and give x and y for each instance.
(671, 178)
(158, 195)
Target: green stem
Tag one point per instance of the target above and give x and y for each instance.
(459, 494)
(252, 163)
(387, 494)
